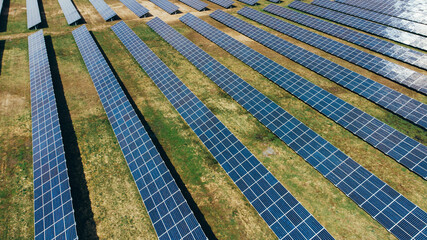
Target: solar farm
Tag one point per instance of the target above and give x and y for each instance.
(213, 119)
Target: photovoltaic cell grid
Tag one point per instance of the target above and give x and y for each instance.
(196, 4)
(396, 213)
(33, 14)
(53, 208)
(403, 54)
(400, 147)
(398, 103)
(392, 71)
(223, 3)
(106, 12)
(169, 212)
(135, 7)
(366, 26)
(249, 2)
(404, 11)
(166, 5)
(70, 11)
(282, 212)
(391, 21)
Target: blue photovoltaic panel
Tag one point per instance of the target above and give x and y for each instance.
(223, 3)
(398, 103)
(106, 12)
(400, 147)
(53, 208)
(369, 192)
(396, 213)
(166, 5)
(33, 14)
(135, 7)
(275, 1)
(282, 212)
(70, 11)
(392, 71)
(196, 4)
(403, 54)
(169, 212)
(364, 25)
(400, 9)
(391, 21)
(249, 2)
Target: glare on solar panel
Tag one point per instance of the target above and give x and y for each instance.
(169, 212)
(373, 195)
(409, 39)
(390, 49)
(282, 212)
(33, 14)
(53, 208)
(106, 12)
(391, 21)
(70, 11)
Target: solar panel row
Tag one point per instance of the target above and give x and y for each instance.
(405, 11)
(400, 147)
(366, 26)
(282, 212)
(33, 14)
(398, 52)
(391, 21)
(275, 1)
(196, 4)
(106, 12)
(166, 5)
(135, 7)
(169, 212)
(390, 70)
(53, 208)
(70, 11)
(392, 100)
(249, 2)
(396, 213)
(223, 3)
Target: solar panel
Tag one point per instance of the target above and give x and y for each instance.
(275, 1)
(53, 208)
(70, 11)
(169, 212)
(282, 212)
(400, 36)
(387, 20)
(166, 5)
(404, 10)
(106, 12)
(390, 70)
(196, 4)
(383, 203)
(378, 134)
(135, 7)
(33, 14)
(398, 103)
(398, 52)
(223, 3)
(249, 2)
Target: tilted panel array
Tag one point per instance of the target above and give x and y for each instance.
(135, 7)
(275, 1)
(396, 213)
(166, 5)
(387, 20)
(398, 52)
(390, 70)
(53, 207)
(394, 101)
(70, 11)
(403, 10)
(33, 14)
(397, 35)
(249, 2)
(223, 3)
(282, 212)
(196, 4)
(168, 210)
(395, 144)
(106, 12)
